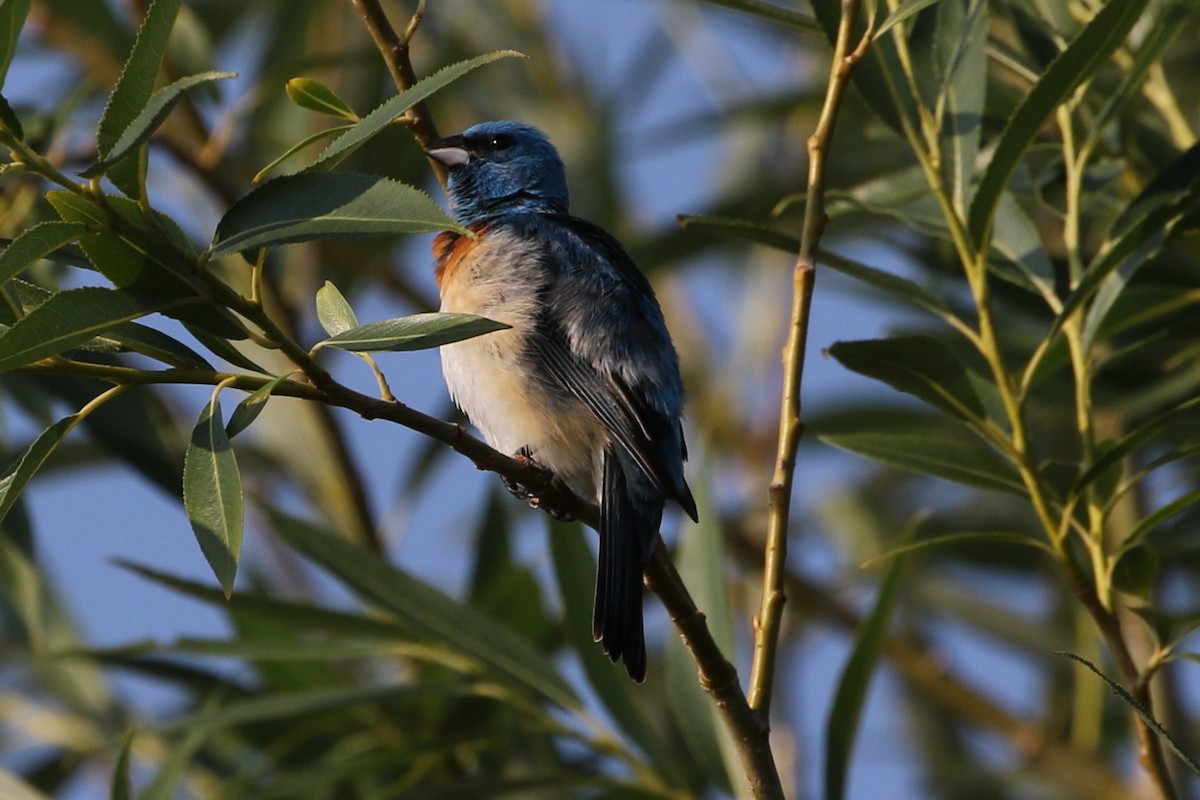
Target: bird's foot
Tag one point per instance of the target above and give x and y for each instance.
(532, 494)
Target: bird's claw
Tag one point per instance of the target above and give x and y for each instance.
(532, 494)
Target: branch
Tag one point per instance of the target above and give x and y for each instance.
(768, 623)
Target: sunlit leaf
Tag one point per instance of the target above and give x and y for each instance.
(316, 205)
(962, 32)
(212, 494)
(334, 311)
(296, 148)
(69, 319)
(383, 116)
(148, 119)
(316, 96)
(902, 12)
(248, 410)
(35, 243)
(1102, 35)
(414, 332)
(14, 479)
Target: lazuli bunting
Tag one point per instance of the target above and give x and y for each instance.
(586, 381)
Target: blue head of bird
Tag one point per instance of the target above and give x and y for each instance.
(501, 168)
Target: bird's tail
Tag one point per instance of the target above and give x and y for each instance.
(630, 512)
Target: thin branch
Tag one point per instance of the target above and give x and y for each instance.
(779, 496)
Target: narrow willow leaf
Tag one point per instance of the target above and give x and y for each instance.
(741, 229)
(148, 119)
(902, 12)
(296, 148)
(134, 87)
(155, 344)
(333, 311)
(18, 474)
(10, 121)
(1141, 711)
(12, 19)
(414, 332)
(224, 349)
(316, 96)
(429, 613)
(288, 705)
(314, 205)
(919, 365)
(575, 569)
(121, 788)
(942, 451)
(1157, 517)
(35, 243)
(69, 319)
(776, 15)
(1102, 35)
(841, 727)
(962, 32)
(383, 116)
(950, 539)
(248, 410)
(212, 494)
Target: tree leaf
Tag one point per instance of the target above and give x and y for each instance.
(384, 115)
(333, 311)
(10, 121)
(957, 538)
(919, 365)
(429, 613)
(296, 148)
(962, 32)
(1102, 35)
(943, 450)
(314, 205)
(120, 787)
(776, 15)
(35, 243)
(575, 569)
(841, 726)
(14, 479)
(71, 318)
(248, 410)
(148, 119)
(155, 344)
(12, 20)
(316, 96)
(902, 12)
(212, 494)
(1141, 711)
(135, 86)
(414, 332)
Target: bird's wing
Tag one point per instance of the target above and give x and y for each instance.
(602, 339)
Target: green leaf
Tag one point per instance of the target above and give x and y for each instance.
(1136, 571)
(333, 311)
(919, 365)
(314, 205)
(575, 569)
(134, 87)
(143, 126)
(212, 494)
(942, 449)
(35, 243)
(10, 121)
(316, 96)
(841, 727)
(296, 148)
(429, 613)
(19, 473)
(902, 12)
(1159, 516)
(1141, 711)
(783, 17)
(962, 32)
(155, 344)
(991, 537)
(1102, 35)
(12, 20)
(248, 410)
(69, 319)
(224, 349)
(121, 788)
(414, 332)
(384, 115)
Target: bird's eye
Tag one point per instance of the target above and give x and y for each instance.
(495, 143)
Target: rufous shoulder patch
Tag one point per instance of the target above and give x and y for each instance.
(451, 249)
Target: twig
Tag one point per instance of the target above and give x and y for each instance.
(779, 495)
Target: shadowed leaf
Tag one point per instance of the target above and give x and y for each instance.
(212, 494)
(414, 332)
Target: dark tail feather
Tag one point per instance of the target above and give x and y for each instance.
(630, 512)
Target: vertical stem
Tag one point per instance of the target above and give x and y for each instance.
(779, 495)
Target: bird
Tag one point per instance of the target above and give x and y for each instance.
(585, 381)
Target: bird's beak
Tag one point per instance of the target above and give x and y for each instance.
(450, 151)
